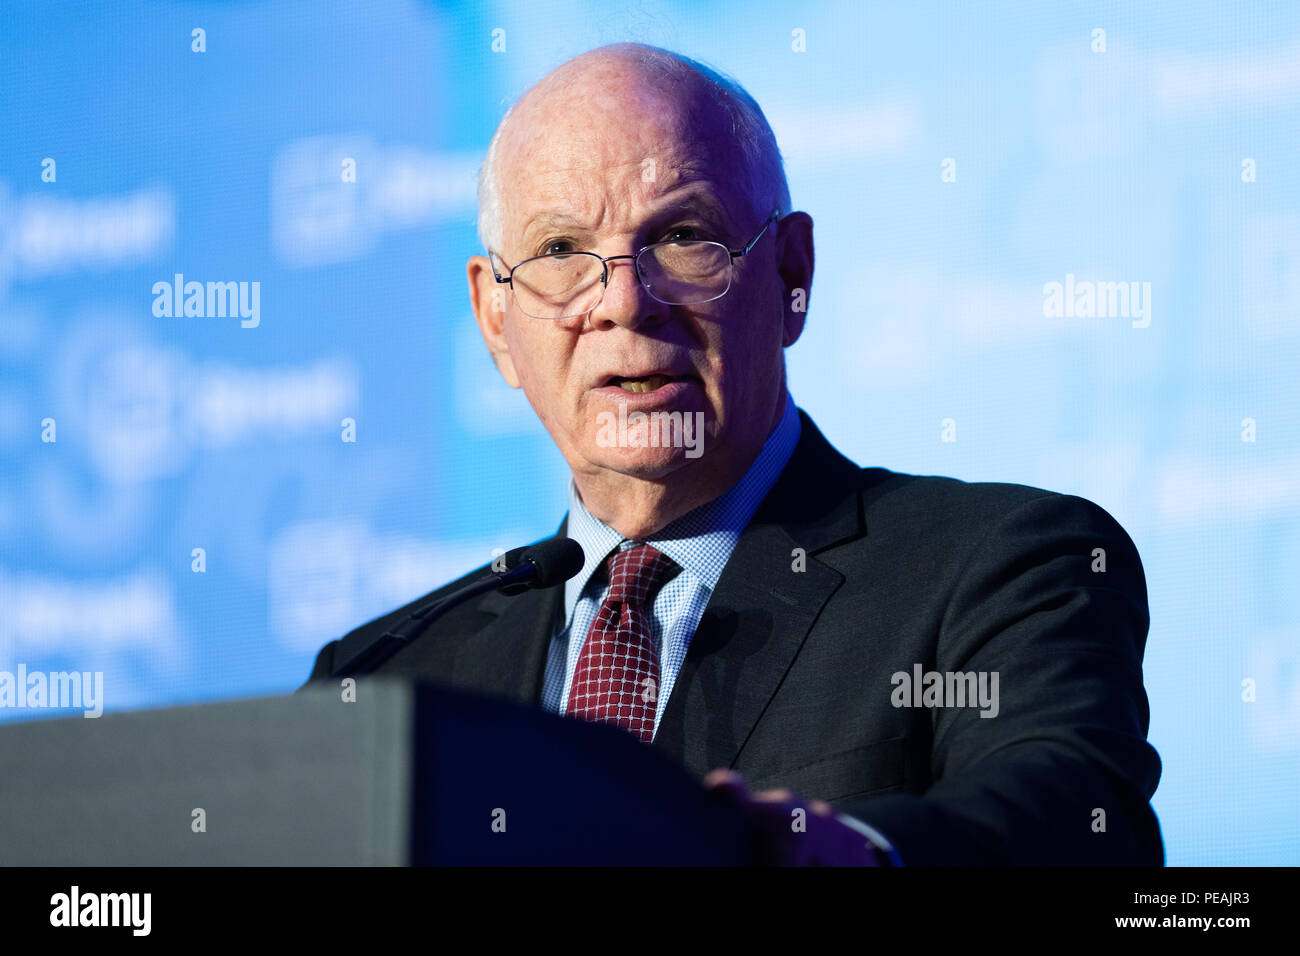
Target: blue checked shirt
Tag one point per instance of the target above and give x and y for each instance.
(700, 542)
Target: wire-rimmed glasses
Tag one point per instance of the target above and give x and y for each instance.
(562, 285)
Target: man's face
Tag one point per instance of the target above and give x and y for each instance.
(608, 166)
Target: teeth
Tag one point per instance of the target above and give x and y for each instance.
(647, 384)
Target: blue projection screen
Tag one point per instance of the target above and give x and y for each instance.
(192, 504)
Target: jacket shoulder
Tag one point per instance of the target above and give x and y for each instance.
(951, 514)
(372, 629)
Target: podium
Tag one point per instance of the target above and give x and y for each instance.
(407, 774)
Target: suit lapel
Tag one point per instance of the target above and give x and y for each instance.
(509, 658)
(762, 609)
(510, 652)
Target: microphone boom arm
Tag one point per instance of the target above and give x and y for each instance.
(544, 565)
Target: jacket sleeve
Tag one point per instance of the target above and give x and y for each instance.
(1053, 602)
(323, 665)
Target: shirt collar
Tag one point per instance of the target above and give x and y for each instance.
(701, 540)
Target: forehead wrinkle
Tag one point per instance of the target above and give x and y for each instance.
(693, 195)
(570, 118)
(563, 187)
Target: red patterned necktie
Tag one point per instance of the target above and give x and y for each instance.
(617, 677)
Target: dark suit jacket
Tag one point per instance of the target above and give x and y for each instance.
(788, 678)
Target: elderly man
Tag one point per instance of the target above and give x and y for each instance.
(876, 667)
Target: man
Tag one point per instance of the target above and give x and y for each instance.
(876, 667)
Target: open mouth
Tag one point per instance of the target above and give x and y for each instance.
(643, 383)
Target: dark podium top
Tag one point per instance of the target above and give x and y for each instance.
(405, 774)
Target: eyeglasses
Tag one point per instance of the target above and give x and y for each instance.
(563, 285)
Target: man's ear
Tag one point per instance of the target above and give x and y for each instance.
(795, 266)
(487, 298)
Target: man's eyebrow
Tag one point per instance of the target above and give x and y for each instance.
(553, 217)
(699, 201)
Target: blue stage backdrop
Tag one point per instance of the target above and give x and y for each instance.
(192, 505)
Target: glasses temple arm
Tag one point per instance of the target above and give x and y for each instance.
(776, 214)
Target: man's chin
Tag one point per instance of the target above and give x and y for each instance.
(648, 464)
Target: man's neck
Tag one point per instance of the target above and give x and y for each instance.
(637, 508)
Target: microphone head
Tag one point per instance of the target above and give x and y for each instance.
(556, 560)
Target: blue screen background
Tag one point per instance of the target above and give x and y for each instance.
(956, 159)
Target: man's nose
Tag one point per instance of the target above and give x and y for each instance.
(626, 301)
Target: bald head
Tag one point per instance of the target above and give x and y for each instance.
(591, 98)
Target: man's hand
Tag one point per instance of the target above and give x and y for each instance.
(788, 837)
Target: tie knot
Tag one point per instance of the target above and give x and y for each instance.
(637, 574)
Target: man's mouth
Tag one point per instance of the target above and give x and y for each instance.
(644, 383)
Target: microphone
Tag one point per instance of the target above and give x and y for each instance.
(541, 565)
